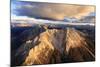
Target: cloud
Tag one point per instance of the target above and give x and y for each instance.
(51, 10)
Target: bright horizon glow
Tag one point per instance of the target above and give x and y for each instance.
(18, 17)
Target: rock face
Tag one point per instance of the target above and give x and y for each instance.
(79, 47)
(54, 46)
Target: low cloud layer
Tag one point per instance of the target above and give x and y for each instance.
(50, 10)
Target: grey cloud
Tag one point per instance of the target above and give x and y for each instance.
(51, 11)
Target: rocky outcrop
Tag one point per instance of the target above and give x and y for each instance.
(54, 46)
(79, 47)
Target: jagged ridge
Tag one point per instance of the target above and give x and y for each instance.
(53, 46)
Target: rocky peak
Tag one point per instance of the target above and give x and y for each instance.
(54, 46)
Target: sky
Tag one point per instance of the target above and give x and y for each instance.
(51, 11)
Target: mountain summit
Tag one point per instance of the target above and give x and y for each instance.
(41, 45)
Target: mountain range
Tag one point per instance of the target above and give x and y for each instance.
(43, 45)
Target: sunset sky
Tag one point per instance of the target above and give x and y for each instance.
(52, 11)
